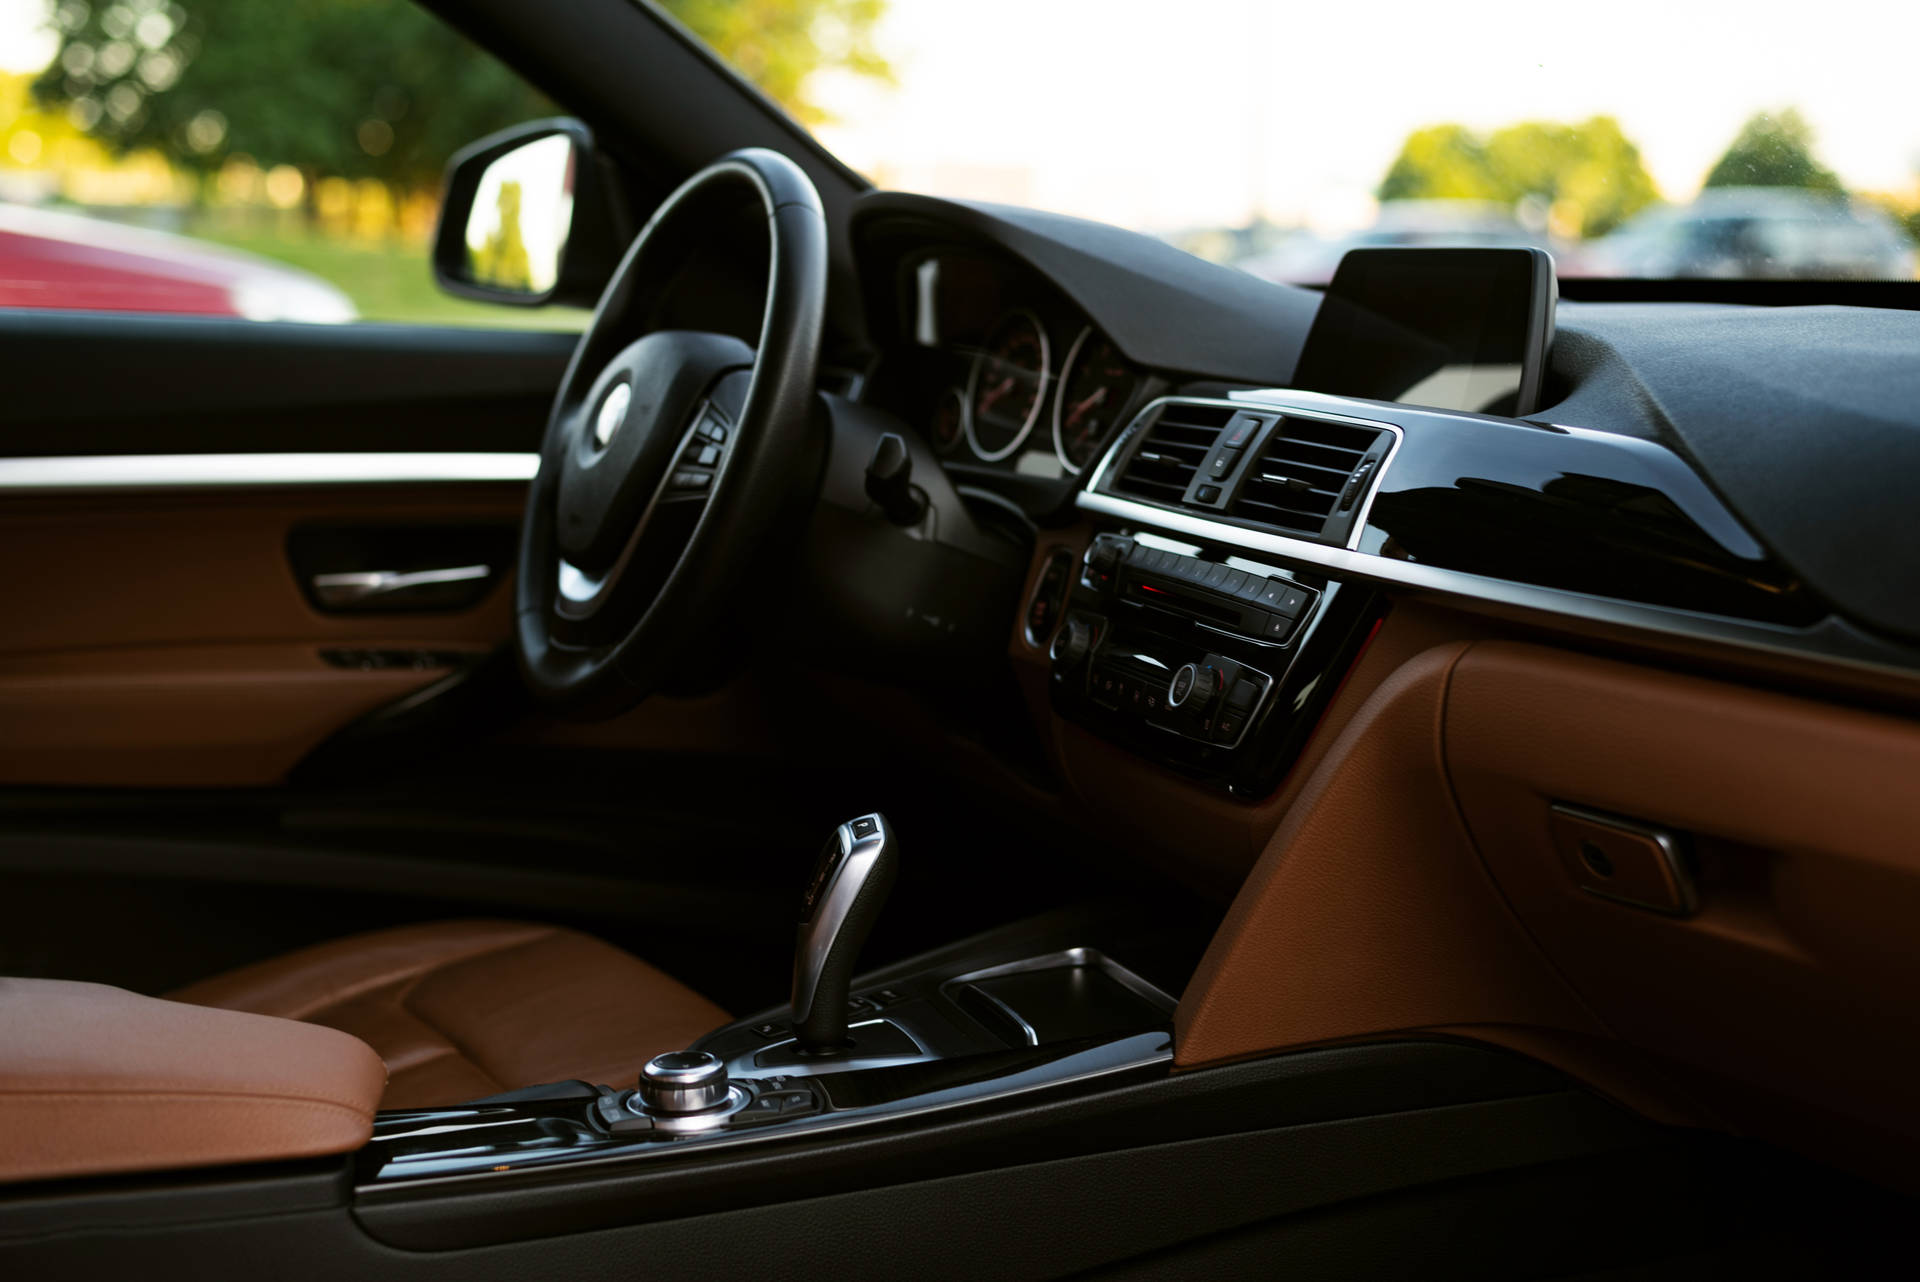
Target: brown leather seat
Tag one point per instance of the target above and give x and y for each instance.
(462, 1009)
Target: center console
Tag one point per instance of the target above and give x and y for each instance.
(1215, 667)
(1012, 1014)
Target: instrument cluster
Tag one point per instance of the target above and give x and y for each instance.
(1007, 375)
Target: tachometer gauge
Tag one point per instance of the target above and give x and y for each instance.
(949, 421)
(1008, 385)
(1095, 385)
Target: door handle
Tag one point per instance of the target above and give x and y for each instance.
(357, 586)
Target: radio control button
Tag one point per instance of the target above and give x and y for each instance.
(1273, 591)
(1292, 602)
(1277, 627)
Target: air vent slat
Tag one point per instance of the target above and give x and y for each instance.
(1296, 483)
(1172, 451)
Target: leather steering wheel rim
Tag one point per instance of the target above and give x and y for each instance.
(671, 380)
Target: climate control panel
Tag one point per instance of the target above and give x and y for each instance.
(1206, 665)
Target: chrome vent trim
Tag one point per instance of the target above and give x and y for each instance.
(1149, 416)
(1177, 441)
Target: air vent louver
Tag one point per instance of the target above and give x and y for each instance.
(1172, 451)
(1296, 482)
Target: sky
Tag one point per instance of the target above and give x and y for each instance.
(1167, 114)
(1203, 111)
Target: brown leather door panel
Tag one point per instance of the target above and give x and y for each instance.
(161, 639)
(1416, 887)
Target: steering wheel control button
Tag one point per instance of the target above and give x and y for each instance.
(690, 481)
(682, 1082)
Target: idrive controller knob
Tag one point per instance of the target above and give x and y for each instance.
(683, 1082)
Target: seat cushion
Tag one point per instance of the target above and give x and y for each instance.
(462, 1009)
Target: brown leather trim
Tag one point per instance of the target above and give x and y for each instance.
(462, 1009)
(225, 715)
(160, 640)
(96, 1081)
(1369, 911)
(1417, 889)
(1796, 978)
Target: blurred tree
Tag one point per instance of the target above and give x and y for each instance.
(1440, 162)
(778, 44)
(1590, 173)
(366, 88)
(1773, 150)
(502, 259)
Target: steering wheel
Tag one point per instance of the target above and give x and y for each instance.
(671, 453)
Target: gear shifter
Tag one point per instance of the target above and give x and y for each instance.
(849, 884)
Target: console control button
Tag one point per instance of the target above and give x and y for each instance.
(1277, 627)
(1244, 696)
(690, 481)
(1292, 602)
(1274, 590)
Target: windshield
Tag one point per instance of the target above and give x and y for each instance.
(284, 161)
(1642, 138)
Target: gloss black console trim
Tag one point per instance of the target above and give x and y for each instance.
(1817, 635)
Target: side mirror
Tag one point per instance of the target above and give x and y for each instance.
(529, 219)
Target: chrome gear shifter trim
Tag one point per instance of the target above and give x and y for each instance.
(850, 882)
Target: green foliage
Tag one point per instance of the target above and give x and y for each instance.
(349, 88)
(777, 44)
(367, 88)
(1441, 162)
(1773, 150)
(1590, 171)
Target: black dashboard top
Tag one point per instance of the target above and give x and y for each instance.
(1805, 419)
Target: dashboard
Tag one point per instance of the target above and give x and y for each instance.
(1096, 382)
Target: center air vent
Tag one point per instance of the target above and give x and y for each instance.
(1307, 476)
(1172, 451)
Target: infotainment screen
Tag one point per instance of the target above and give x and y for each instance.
(1459, 329)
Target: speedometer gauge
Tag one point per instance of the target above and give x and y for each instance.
(1095, 385)
(1008, 385)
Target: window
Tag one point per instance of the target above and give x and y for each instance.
(267, 159)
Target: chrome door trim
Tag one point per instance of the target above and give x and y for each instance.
(134, 472)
